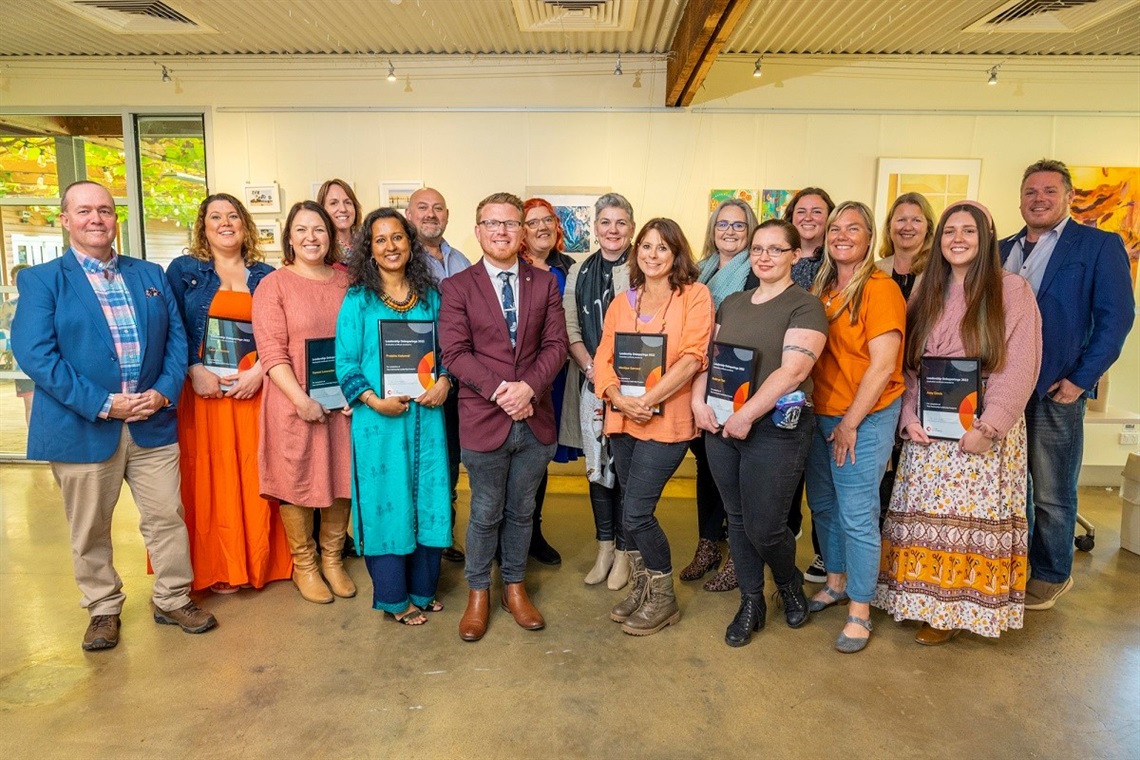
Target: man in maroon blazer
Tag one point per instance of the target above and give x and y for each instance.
(503, 336)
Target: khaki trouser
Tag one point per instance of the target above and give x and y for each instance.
(90, 492)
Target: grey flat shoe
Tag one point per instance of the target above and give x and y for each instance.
(848, 645)
(837, 597)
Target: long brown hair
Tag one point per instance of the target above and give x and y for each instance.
(852, 295)
(684, 271)
(200, 248)
(983, 326)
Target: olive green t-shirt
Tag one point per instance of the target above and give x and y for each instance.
(762, 326)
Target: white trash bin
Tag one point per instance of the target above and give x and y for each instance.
(1130, 505)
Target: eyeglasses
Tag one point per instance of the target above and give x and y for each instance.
(534, 224)
(773, 252)
(734, 226)
(494, 224)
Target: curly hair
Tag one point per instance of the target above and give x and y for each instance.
(684, 271)
(288, 255)
(200, 248)
(363, 270)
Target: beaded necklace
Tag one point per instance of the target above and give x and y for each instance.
(400, 306)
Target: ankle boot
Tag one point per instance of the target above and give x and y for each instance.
(334, 527)
(619, 573)
(540, 548)
(706, 559)
(602, 564)
(298, 522)
(725, 580)
(795, 603)
(749, 618)
(658, 610)
(638, 580)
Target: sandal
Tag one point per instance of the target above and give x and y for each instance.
(409, 616)
(848, 645)
(837, 597)
(224, 588)
(432, 606)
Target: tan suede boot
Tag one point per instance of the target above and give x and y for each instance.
(658, 610)
(619, 573)
(602, 564)
(298, 522)
(334, 526)
(638, 580)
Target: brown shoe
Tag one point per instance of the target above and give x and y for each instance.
(473, 624)
(516, 602)
(190, 617)
(929, 636)
(102, 633)
(725, 580)
(706, 558)
(1042, 595)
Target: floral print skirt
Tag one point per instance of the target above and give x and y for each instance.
(955, 541)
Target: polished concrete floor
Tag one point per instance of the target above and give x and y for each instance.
(281, 678)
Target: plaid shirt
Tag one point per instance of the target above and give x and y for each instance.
(119, 311)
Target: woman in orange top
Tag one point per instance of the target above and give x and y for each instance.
(664, 299)
(858, 381)
(236, 538)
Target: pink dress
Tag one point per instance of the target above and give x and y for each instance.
(301, 463)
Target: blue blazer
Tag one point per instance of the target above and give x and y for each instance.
(63, 343)
(1086, 305)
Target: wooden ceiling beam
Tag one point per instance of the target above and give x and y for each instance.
(704, 28)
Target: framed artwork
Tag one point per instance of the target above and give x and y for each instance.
(263, 199)
(1108, 198)
(717, 196)
(396, 193)
(268, 234)
(575, 209)
(942, 180)
(773, 203)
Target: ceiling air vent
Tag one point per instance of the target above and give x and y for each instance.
(135, 16)
(575, 15)
(1048, 15)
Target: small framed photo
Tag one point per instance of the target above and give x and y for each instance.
(263, 199)
(269, 234)
(396, 193)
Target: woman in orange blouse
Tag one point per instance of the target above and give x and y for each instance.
(664, 299)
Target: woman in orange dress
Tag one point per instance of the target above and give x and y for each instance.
(236, 537)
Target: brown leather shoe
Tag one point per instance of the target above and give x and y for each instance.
(189, 617)
(930, 636)
(102, 633)
(473, 624)
(516, 602)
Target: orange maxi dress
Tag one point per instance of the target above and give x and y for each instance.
(236, 537)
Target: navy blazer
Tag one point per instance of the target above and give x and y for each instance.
(1086, 305)
(61, 339)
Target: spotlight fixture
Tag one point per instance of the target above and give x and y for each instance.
(756, 72)
(637, 80)
(993, 75)
(391, 71)
(617, 69)
(166, 75)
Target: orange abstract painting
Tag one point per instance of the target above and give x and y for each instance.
(1108, 198)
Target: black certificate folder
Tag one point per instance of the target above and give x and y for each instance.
(732, 379)
(407, 357)
(320, 373)
(228, 346)
(639, 362)
(950, 395)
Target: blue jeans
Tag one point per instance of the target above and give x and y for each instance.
(503, 486)
(398, 578)
(1056, 435)
(643, 468)
(844, 501)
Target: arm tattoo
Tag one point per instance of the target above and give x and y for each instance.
(802, 350)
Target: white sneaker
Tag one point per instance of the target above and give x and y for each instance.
(816, 572)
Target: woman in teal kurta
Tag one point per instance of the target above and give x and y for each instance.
(400, 480)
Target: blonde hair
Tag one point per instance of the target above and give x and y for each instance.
(852, 294)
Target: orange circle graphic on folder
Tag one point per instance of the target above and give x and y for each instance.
(740, 397)
(653, 378)
(247, 361)
(427, 365)
(966, 411)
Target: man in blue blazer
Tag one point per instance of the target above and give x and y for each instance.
(1084, 290)
(100, 336)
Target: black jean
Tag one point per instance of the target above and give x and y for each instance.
(451, 427)
(711, 518)
(796, 516)
(606, 504)
(757, 477)
(643, 468)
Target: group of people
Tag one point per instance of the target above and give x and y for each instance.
(530, 363)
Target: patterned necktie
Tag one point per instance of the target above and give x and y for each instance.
(509, 306)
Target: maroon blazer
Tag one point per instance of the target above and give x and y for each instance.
(477, 351)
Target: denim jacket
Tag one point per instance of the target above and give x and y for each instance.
(194, 284)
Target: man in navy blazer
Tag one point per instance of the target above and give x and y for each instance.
(1084, 290)
(100, 336)
(503, 337)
